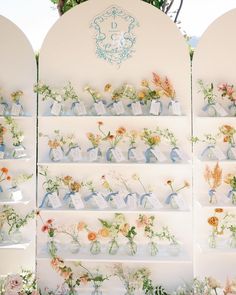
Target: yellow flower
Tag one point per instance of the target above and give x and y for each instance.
(104, 232)
(141, 95)
(135, 176)
(107, 87)
(144, 83)
(186, 184)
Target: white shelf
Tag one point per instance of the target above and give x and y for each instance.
(205, 204)
(9, 245)
(140, 257)
(16, 159)
(112, 163)
(215, 117)
(221, 249)
(12, 202)
(114, 116)
(19, 117)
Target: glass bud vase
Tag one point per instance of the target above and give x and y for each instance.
(152, 248)
(131, 248)
(232, 196)
(16, 236)
(96, 290)
(174, 249)
(74, 246)
(231, 152)
(51, 246)
(212, 243)
(113, 247)
(232, 240)
(2, 234)
(95, 247)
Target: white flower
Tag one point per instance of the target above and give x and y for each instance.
(13, 284)
(213, 283)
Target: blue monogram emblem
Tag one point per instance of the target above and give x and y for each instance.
(114, 35)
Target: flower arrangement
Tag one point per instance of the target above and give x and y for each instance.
(17, 138)
(113, 153)
(230, 179)
(23, 283)
(73, 187)
(17, 108)
(51, 185)
(95, 151)
(16, 96)
(15, 221)
(20, 179)
(113, 228)
(4, 176)
(174, 199)
(99, 103)
(152, 140)
(93, 238)
(51, 230)
(116, 96)
(71, 147)
(129, 232)
(228, 133)
(3, 106)
(214, 179)
(228, 91)
(2, 145)
(133, 153)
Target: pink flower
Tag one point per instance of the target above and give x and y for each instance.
(13, 284)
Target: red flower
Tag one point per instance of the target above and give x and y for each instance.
(44, 228)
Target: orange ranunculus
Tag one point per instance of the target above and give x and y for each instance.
(121, 131)
(100, 123)
(111, 137)
(213, 221)
(49, 221)
(104, 232)
(219, 210)
(141, 95)
(80, 226)
(169, 182)
(226, 139)
(92, 236)
(4, 170)
(107, 87)
(8, 177)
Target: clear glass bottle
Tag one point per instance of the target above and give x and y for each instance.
(131, 248)
(95, 247)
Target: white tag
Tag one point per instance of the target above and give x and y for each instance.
(136, 108)
(100, 201)
(175, 106)
(55, 201)
(56, 108)
(218, 153)
(119, 108)
(16, 195)
(117, 154)
(154, 201)
(158, 154)
(93, 155)
(2, 155)
(99, 108)
(119, 201)
(180, 202)
(57, 154)
(132, 201)
(138, 155)
(155, 107)
(220, 110)
(181, 154)
(19, 152)
(2, 110)
(15, 109)
(77, 201)
(79, 108)
(75, 154)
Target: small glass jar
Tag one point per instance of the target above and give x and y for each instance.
(131, 248)
(174, 249)
(96, 290)
(232, 240)
(113, 247)
(16, 236)
(152, 248)
(95, 247)
(212, 243)
(74, 246)
(52, 246)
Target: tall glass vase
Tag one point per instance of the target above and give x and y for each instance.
(96, 290)
(95, 247)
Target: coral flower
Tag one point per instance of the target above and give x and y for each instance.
(219, 210)
(100, 123)
(92, 236)
(44, 228)
(80, 226)
(4, 170)
(49, 221)
(121, 131)
(8, 177)
(104, 232)
(213, 221)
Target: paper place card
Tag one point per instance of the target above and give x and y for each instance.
(16, 195)
(119, 201)
(117, 154)
(55, 201)
(132, 201)
(2, 110)
(93, 155)
(99, 108)
(100, 201)
(218, 153)
(15, 109)
(80, 109)
(220, 110)
(2, 154)
(154, 201)
(77, 201)
(56, 108)
(176, 109)
(155, 107)
(57, 154)
(119, 108)
(180, 202)
(136, 108)
(158, 154)
(138, 155)
(75, 154)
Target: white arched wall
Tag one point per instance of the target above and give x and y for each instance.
(68, 54)
(214, 61)
(18, 72)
